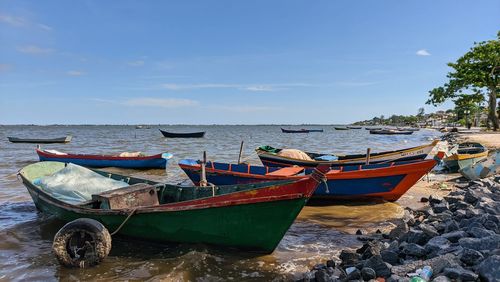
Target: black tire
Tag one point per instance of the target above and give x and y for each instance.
(83, 242)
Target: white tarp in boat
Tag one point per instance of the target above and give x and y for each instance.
(294, 154)
(75, 184)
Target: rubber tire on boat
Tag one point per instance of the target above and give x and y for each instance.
(90, 236)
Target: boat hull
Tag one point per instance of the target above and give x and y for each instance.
(482, 168)
(384, 181)
(410, 154)
(156, 161)
(66, 139)
(182, 135)
(254, 219)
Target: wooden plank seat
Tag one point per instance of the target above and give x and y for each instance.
(287, 171)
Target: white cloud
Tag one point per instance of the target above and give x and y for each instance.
(423, 52)
(75, 73)
(261, 88)
(138, 63)
(44, 27)
(161, 102)
(35, 50)
(13, 21)
(247, 87)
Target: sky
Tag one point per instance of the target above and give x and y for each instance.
(229, 62)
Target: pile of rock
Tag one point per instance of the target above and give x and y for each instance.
(457, 235)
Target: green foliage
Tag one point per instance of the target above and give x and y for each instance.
(474, 76)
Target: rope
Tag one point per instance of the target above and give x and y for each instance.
(123, 223)
(248, 157)
(326, 186)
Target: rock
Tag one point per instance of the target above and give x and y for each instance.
(454, 199)
(415, 250)
(400, 229)
(435, 199)
(478, 232)
(368, 273)
(490, 225)
(319, 266)
(449, 226)
(437, 264)
(441, 278)
(369, 250)
(424, 200)
(441, 207)
(408, 217)
(479, 244)
(471, 197)
(435, 245)
(417, 237)
(321, 276)
(354, 275)
(488, 270)
(359, 232)
(428, 230)
(382, 269)
(330, 263)
(390, 256)
(460, 273)
(349, 258)
(454, 236)
(471, 257)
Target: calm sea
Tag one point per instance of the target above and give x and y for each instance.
(318, 234)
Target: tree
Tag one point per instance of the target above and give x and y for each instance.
(477, 73)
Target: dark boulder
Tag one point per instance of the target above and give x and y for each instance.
(454, 236)
(417, 237)
(479, 244)
(382, 269)
(349, 258)
(471, 257)
(435, 245)
(459, 273)
(489, 269)
(414, 250)
(400, 229)
(390, 256)
(368, 274)
(478, 232)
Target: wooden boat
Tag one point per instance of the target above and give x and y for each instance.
(465, 155)
(294, 130)
(373, 128)
(139, 161)
(253, 216)
(408, 128)
(183, 135)
(483, 168)
(66, 139)
(270, 156)
(388, 181)
(391, 132)
(315, 130)
(341, 128)
(354, 127)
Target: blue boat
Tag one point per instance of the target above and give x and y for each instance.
(123, 161)
(483, 168)
(388, 181)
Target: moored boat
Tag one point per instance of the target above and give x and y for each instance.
(373, 128)
(254, 216)
(182, 135)
(271, 156)
(391, 132)
(123, 160)
(341, 128)
(354, 127)
(294, 130)
(388, 181)
(482, 168)
(66, 139)
(465, 154)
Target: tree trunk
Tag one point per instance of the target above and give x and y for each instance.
(492, 109)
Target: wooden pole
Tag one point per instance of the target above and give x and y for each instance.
(203, 180)
(368, 156)
(241, 151)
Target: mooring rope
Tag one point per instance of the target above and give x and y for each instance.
(123, 223)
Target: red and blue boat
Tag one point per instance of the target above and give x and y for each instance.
(134, 161)
(388, 181)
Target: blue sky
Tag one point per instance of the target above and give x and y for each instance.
(229, 62)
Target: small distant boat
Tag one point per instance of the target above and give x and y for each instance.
(279, 157)
(142, 127)
(253, 217)
(354, 127)
(183, 135)
(483, 168)
(408, 128)
(373, 128)
(341, 128)
(391, 132)
(465, 155)
(294, 130)
(124, 160)
(315, 130)
(66, 139)
(388, 181)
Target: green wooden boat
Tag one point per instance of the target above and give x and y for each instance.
(253, 216)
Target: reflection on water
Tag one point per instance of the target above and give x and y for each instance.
(318, 234)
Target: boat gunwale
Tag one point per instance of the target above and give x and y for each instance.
(373, 156)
